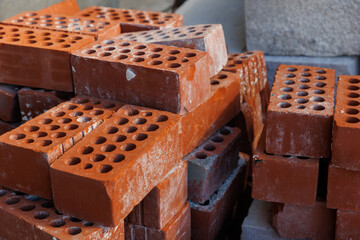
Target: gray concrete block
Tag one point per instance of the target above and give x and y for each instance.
(303, 27)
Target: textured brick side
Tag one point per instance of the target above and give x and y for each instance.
(66, 7)
(347, 225)
(9, 111)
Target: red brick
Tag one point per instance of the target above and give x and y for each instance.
(300, 113)
(347, 225)
(211, 163)
(161, 77)
(178, 228)
(9, 110)
(134, 20)
(282, 178)
(346, 132)
(117, 165)
(164, 201)
(28, 150)
(6, 127)
(208, 38)
(66, 7)
(30, 217)
(302, 222)
(38, 58)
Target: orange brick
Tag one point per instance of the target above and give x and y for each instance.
(66, 7)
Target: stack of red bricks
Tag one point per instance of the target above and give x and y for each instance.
(153, 99)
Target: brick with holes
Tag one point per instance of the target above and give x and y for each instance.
(38, 58)
(283, 178)
(300, 113)
(347, 225)
(34, 102)
(66, 7)
(27, 151)
(206, 37)
(164, 201)
(178, 228)
(117, 165)
(30, 217)
(211, 163)
(346, 132)
(10, 111)
(133, 20)
(161, 77)
(95, 28)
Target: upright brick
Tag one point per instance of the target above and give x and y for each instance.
(211, 163)
(66, 7)
(38, 58)
(30, 217)
(347, 225)
(206, 37)
(346, 132)
(300, 113)
(9, 110)
(161, 77)
(27, 151)
(134, 20)
(117, 165)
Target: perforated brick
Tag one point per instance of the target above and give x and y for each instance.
(66, 7)
(134, 20)
(96, 28)
(9, 110)
(30, 217)
(28, 150)
(346, 132)
(38, 58)
(116, 166)
(208, 38)
(300, 113)
(161, 77)
(212, 162)
(347, 225)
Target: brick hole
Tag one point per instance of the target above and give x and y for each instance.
(108, 105)
(88, 107)
(174, 52)
(158, 49)
(46, 39)
(74, 161)
(27, 207)
(162, 118)
(190, 55)
(84, 119)
(182, 35)
(225, 131)
(352, 111)
(289, 82)
(171, 58)
(73, 230)
(352, 120)
(304, 80)
(284, 105)
(353, 80)
(29, 141)
(112, 130)
(152, 127)
(154, 55)
(305, 74)
(132, 112)
(301, 107)
(108, 42)
(47, 44)
(191, 31)
(121, 57)
(140, 53)
(320, 84)
(78, 38)
(74, 219)
(140, 137)
(285, 97)
(320, 78)
(290, 75)
(98, 157)
(301, 100)
(122, 121)
(217, 139)
(70, 107)
(353, 95)
(317, 99)
(29, 32)
(105, 168)
(12, 200)
(140, 47)
(147, 114)
(165, 37)
(318, 107)
(87, 150)
(31, 128)
(87, 224)
(120, 138)
(140, 121)
(108, 148)
(64, 120)
(57, 223)
(48, 204)
(88, 166)
(352, 87)
(118, 158)
(209, 147)
(97, 46)
(32, 198)
(59, 40)
(44, 143)
(82, 101)
(71, 127)
(17, 136)
(138, 59)
(156, 62)
(65, 46)
(303, 86)
(185, 60)
(287, 89)
(59, 114)
(319, 91)
(175, 65)
(302, 93)
(2, 193)
(200, 155)
(149, 39)
(41, 215)
(222, 76)
(320, 71)
(58, 135)
(14, 39)
(128, 147)
(76, 114)
(130, 129)
(214, 82)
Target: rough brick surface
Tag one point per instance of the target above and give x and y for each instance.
(9, 111)
(30, 217)
(346, 132)
(27, 151)
(283, 178)
(66, 7)
(134, 20)
(208, 218)
(208, 38)
(303, 222)
(164, 201)
(178, 228)
(347, 225)
(211, 163)
(117, 165)
(161, 77)
(38, 58)
(6, 127)
(301, 105)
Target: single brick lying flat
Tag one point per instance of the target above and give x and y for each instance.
(346, 132)
(347, 225)
(206, 37)
(133, 20)
(95, 28)
(300, 113)
(161, 77)
(30, 217)
(164, 201)
(66, 7)
(117, 165)
(10, 111)
(34, 102)
(211, 163)
(28, 150)
(38, 58)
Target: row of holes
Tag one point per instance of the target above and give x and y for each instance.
(352, 103)
(216, 80)
(211, 147)
(317, 107)
(319, 71)
(287, 156)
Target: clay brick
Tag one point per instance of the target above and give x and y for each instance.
(222, 106)
(347, 225)
(208, 38)
(164, 201)
(284, 178)
(178, 228)
(30, 217)
(300, 113)
(161, 77)
(9, 110)
(117, 165)
(6, 127)
(207, 219)
(93, 27)
(303, 222)
(66, 7)
(34, 102)
(346, 132)
(134, 20)
(38, 58)
(33, 146)
(211, 163)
